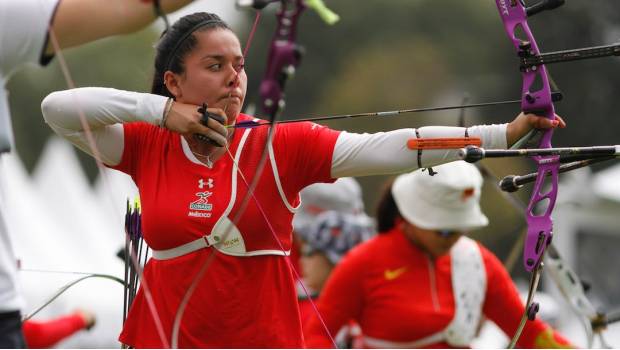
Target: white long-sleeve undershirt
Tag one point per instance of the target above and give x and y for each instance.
(105, 110)
(387, 152)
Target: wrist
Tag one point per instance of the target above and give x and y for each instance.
(166, 113)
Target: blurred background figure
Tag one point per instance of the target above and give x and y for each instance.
(25, 39)
(342, 196)
(41, 334)
(330, 222)
(421, 283)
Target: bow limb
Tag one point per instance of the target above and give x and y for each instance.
(572, 289)
(66, 287)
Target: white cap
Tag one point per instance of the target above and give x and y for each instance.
(344, 196)
(449, 200)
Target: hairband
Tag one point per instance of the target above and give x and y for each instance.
(186, 35)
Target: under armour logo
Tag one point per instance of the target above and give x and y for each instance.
(202, 183)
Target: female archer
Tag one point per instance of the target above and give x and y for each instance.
(421, 283)
(193, 170)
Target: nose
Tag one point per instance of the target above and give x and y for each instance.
(233, 81)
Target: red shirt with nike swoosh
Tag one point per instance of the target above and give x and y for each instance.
(396, 292)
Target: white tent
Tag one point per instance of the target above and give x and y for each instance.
(59, 222)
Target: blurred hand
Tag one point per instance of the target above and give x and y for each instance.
(89, 318)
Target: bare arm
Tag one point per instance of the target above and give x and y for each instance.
(81, 21)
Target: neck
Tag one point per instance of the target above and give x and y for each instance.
(205, 152)
(411, 233)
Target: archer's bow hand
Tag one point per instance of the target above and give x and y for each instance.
(523, 123)
(188, 119)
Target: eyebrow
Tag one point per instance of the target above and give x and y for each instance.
(219, 57)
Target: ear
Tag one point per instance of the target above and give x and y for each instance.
(172, 82)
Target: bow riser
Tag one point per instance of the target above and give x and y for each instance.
(536, 98)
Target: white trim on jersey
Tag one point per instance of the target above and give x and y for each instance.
(276, 175)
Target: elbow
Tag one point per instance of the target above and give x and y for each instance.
(59, 110)
(51, 107)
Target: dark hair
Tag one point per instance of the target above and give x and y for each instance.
(177, 42)
(387, 212)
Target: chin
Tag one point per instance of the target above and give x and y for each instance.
(232, 114)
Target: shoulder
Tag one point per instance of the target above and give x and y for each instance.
(144, 128)
(291, 133)
(305, 127)
(145, 133)
(367, 250)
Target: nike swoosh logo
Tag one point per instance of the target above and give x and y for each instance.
(394, 274)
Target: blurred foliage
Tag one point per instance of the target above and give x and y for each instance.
(386, 55)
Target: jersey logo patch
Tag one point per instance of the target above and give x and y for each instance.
(391, 275)
(202, 202)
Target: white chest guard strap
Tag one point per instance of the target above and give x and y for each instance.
(469, 284)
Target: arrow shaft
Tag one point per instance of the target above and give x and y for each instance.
(383, 113)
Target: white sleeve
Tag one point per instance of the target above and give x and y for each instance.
(23, 32)
(104, 110)
(387, 152)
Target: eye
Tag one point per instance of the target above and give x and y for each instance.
(239, 67)
(215, 67)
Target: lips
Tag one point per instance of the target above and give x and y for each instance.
(231, 96)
